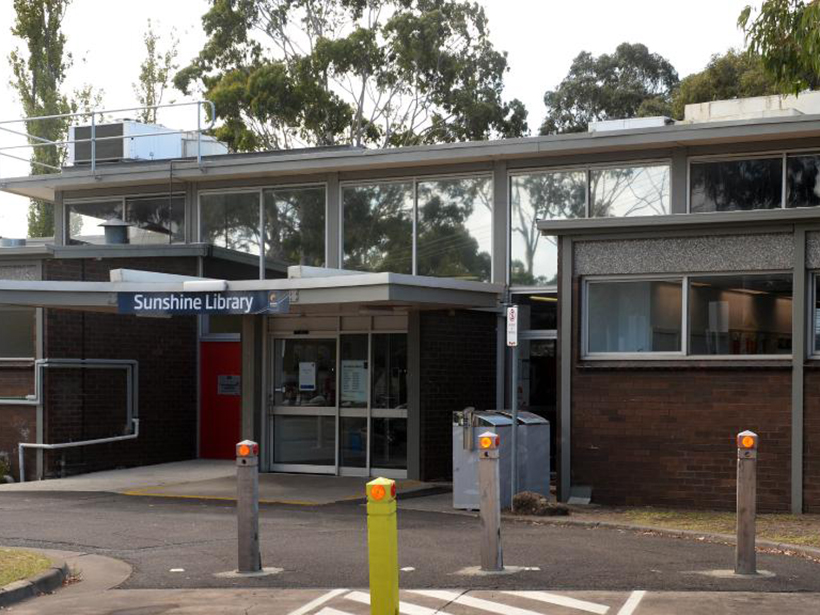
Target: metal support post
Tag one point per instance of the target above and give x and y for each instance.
(247, 506)
(514, 434)
(93, 144)
(745, 558)
(488, 486)
(383, 547)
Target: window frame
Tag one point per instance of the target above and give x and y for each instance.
(586, 168)
(783, 154)
(415, 179)
(685, 354)
(260, 189)
(122, 198)
(35, 340)
(812, 331)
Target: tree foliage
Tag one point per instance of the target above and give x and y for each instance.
(631, 82)
(735, 74)
(786, 34)
(155, 73)
(38, 77)
(286, 73)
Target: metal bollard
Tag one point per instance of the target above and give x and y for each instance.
(383, 547)
(489, 490)
(745, 557)
(247, 506)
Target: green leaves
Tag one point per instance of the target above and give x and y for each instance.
(631, 82)
(365, 72)
(786, 35)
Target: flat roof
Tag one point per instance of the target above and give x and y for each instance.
(382, 289)
(638, 225)
(323, 160)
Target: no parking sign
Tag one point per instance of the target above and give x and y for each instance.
(512, 325)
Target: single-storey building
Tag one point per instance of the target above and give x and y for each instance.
(352, 299)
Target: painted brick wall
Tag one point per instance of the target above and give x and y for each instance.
(457, 369)
(663, 434)
(85, 404)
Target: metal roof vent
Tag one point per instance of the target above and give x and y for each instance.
(116, 231)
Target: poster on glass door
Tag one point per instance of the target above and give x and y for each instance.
(354, 381)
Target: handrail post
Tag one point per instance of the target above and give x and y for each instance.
(93, 143)
(199, 134)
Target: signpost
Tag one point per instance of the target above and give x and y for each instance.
(512, 343)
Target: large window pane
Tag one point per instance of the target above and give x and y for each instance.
(455, 228)
(295, 227)
(629, 191)
(389, 370)
(17, 333)
(305, 372)
(731, 185)
(740, 315)
(84, 220)
(388, 448)
(803, 176)
(230, 220)
(378, 227)
(157, 219)
(640, 316)
(541, 196)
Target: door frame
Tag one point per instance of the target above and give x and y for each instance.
(338, 411)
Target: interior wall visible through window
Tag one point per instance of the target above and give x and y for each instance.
(18, 333)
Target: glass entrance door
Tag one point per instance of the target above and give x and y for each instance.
(360, 431)
(303, 413)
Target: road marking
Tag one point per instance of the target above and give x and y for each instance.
(632, 603)
(572, 603)
(318, 602)
(331, 611)
(476, 603)
(404, 607)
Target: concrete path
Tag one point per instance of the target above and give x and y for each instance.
(212, 479)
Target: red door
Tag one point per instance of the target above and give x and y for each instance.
(220, 399)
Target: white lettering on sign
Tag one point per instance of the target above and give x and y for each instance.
(512, 325)
(212, 302)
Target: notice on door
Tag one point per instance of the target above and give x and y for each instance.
(307, 376)
(229, 385)
(354, 381)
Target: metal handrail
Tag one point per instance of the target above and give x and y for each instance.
(41, 142)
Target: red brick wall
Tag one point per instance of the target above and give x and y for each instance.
(457, 361)
(86, 404)
(653, 434)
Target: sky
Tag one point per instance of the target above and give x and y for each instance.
(541, 37)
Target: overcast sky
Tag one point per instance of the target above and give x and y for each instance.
(540, 36)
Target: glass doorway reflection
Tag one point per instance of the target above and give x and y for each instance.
(339, 404)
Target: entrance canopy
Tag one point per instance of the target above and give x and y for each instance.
(304, 290)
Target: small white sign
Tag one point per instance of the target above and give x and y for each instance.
(354, 381)
(512, 325)
(307, 376)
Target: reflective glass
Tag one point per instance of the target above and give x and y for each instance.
(230, 220)
(378, 227)
(455, 228)
(740, 315)
(389, 370)
(730, 185)
(308, 440)
(305, 372)
(353, 441)
(541, 196)
(156, 220)
(388, 446)
(803, 176)
(84, 220)
(629, 191)
(295, 227)
(17, 333)
(640, 316)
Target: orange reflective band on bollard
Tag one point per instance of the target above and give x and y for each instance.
(377, 492)
(747, 440)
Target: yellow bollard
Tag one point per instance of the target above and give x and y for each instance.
(383, 547)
